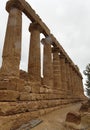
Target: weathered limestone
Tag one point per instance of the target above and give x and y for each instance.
(13, 84)
(73, 117)
(81, 89)
(76, 83)
(71, 79)
(47, 63)
(63, 73)
(68, 78)
(25, 95)
(15, 107)
(12, 46)
(34, 65)
(56, 69)
(69, 85)
(34, 69)
(15, 121)
(9, 95)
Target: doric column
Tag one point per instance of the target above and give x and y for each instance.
(34, 65)
(71, 79)
(81, 89)
(56, 69)
(47, 63)
(75, 84)
(63, 73)
(12, 45)
(68, 79)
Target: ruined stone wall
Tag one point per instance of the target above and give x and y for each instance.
(26, 95)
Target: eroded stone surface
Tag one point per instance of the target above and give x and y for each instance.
(9, 95)
(27, 95)
(73, 117)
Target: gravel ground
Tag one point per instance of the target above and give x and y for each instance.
(56, 120)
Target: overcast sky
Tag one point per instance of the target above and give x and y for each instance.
(68, 20)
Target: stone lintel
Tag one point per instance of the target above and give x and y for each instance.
(56, 43)
(76, 69)
(73, 68)
(30, 13)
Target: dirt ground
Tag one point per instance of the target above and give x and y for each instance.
(56, 120)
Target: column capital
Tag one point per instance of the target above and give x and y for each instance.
(66, 61)
(46, 40)
(35, 26)
(62, 56)
(13, 4)
(55, 50)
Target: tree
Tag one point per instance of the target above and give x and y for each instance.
(87, 73)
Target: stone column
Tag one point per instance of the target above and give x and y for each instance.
(63, 73)
(34, 65)
(75, 84)
(71, 79)
(74, 91)
(79, 87)
(12, 45)
(56, 69)
(81, 90)
(47, 63)
(68, 80)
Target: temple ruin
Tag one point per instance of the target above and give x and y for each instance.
(27, 95)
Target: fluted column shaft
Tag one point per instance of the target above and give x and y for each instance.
(75, 87)
(73, 82)
(56, 69)
(78, 85)
(68, 80)
(63, 73)
(34, 65)
(81, 87)
(12, 45)
(71, 79)
(47, 63)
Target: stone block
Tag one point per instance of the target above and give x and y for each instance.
(11, 108)
(12, 84)
(85, 106)
(42, 90)
(27, 88)
(9, 95)
(7, 85)
(15, 121)
(24, 96)
(42, 112)
(73, 117)
(35, 87)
